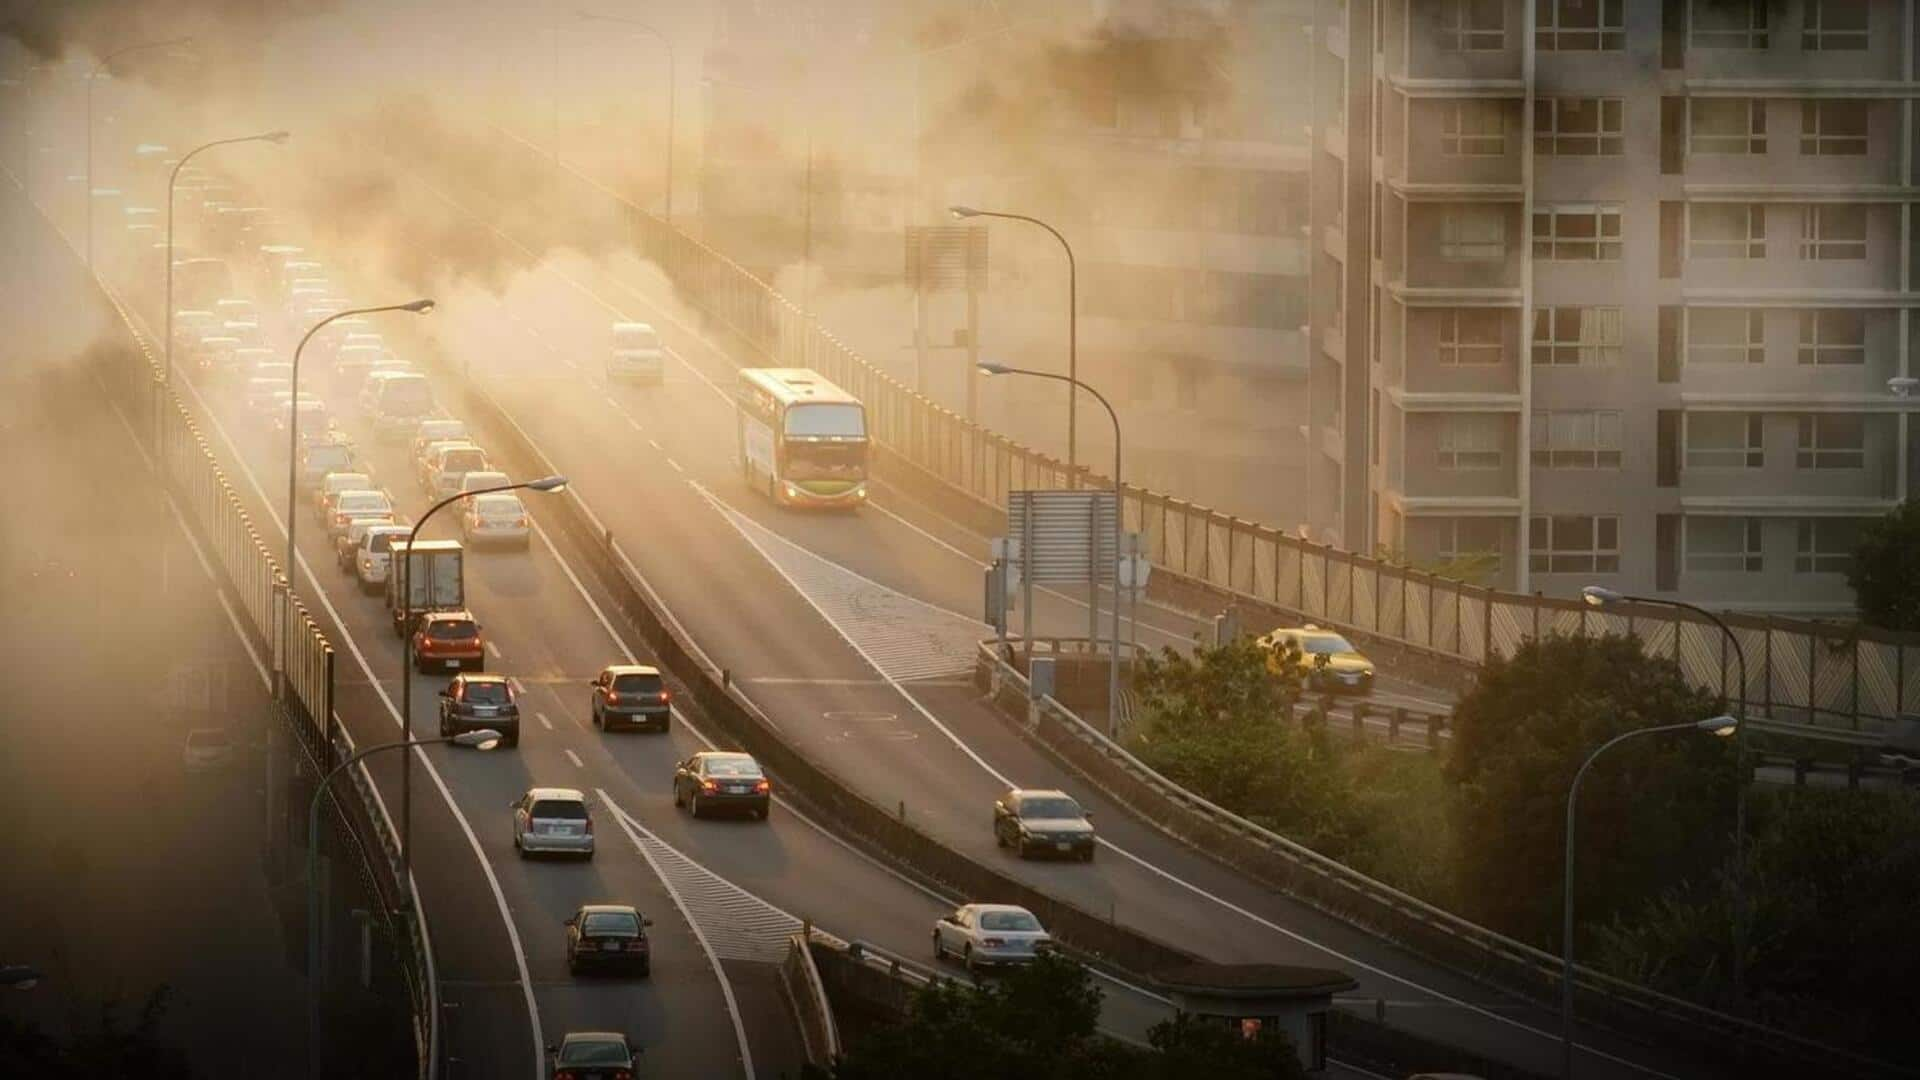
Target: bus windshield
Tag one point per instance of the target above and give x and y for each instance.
(826, 461)
(826, 419)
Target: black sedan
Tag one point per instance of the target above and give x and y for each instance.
(630, 695)
(593, 1055)
(475, 701)
(1043, 822)
(721, 780)
(608, 937)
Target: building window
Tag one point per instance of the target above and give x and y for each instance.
(1576, 439)
(1470, 441)
(1832, 441)
(1826, 545)
(1472, 25)
(1577, 544)
(1726, 126)
(1580, 25)
(1720, 545)
(1464, 539)
(1473, 233)
(1725, 336)
(1836, 128)
(1579, 127)
(1472, 337)
(1729, 24)
(1833, 336)
(1577, 336)
(1835, 25)
(1725, 440)
(1726, 231)
(1474, 127)
(1577, 233)
(1833, 231)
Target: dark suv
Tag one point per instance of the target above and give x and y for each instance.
(630, 695)
(479, 701)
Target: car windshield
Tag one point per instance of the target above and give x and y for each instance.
(442, 429)
(730, 766)
(498, 506)
(636, 337)
(611, 924)
(1008, 920)
(382, 543)
(1049, 808)
(636, 684)
(487, 693)
(826, 418)
(1326, 643)
(483, 478)
(348, 481)
(452, 629)
(459, 461)
(328, 456)
(581, 1052)
(364, 500)
(563, 809)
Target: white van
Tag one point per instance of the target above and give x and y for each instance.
(636, 353)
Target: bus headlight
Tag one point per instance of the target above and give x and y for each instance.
(795, 491)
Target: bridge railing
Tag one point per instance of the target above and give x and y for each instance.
(1818, 673)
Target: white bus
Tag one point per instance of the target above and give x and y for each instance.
(803, 440)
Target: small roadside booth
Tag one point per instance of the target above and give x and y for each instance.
(1256, 997)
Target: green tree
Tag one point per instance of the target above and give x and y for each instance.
(1652, 811)
(111, 1049)
(1038, 1023)
(1885, 574)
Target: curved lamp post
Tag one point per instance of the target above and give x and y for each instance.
(418, 307)
(484, 739)
(1073, 325)
(105, 63)
(1599, 596)
(405, 567)
(173, 177)
(667, 44)
(1093, 590)
(1718, 725)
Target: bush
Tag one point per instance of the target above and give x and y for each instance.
(1885, 573)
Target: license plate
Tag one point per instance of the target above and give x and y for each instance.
(609, 946)
(1064, 845)
(736, 789)
(451, 663)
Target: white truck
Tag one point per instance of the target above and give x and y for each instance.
(429, 576)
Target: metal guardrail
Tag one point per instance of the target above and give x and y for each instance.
(299, 649)
(1538, 968)
(1832, 674)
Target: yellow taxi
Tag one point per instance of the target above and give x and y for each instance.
(1326, 661)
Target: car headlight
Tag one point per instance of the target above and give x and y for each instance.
(794, 490)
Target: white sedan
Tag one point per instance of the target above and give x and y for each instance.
(983, 934)
(495, 519)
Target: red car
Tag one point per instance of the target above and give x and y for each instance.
(448, 641)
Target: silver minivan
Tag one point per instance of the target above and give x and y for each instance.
(550, 819)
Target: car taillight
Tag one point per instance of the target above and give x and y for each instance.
(339, 519)
(622, 1074)
(566, 1074)
(589, 826)
(521, 522)
(708, 785)
(993, 942)
(636, 946)
(613, 698)
(762, 788)
(664, 696)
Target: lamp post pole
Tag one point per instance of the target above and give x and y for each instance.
(673, 81)
(98, 69)
(172, 179)
(1719, 725)
(1598, 596)
(1093, 589)
(484, 739)
(1073, 327)
(404, 567)
(420, 307)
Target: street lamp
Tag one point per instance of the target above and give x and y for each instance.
(1073, 325)
(98, 68)
(1093, 590)
(484, 739)
(667, 44)
(404, 567)
(418, 307)
(275, 137)
(1721, 726)
(1599, 596)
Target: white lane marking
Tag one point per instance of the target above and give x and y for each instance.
(1196, 890)
(492, 649)
(575, 758)
(439, 782)
(612, 402)
(635, 423)
(518, 688)
(653, 443)
(544, 722)
(676, 466)
(633, 829)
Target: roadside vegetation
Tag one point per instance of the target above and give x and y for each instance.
(1479, 829)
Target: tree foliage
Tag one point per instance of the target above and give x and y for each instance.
(1885, 575)
(1652, 812)
(110, 1049)
(1038, 1023)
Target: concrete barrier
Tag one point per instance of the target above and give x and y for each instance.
(800, 978)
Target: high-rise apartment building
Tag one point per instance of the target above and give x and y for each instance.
(1612, 289)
